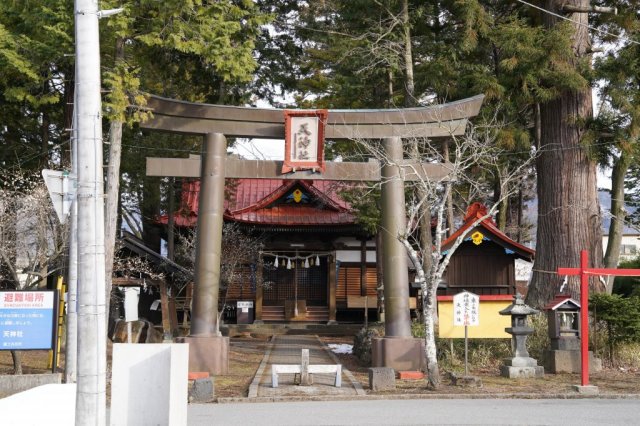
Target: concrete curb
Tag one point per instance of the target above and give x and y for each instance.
(237, 400)
(255, 383)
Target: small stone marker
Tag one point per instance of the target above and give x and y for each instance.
(465, 381)
(382, 378)
(201, 390)
(305, 380)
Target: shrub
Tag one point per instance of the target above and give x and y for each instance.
(538, 342)
(619, 317)
(628, 286)
(362, 344)
(417, 329)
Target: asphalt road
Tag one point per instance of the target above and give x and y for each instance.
(422, 412)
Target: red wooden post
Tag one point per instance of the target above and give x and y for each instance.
(584, 313)
(584, 271)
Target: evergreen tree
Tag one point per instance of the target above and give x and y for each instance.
(36, 47)
(568, 210)
(616, 130)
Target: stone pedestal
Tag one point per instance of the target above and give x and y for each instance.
(399, 353)
(201, 390)
(561, 361)
(586, 390)
(208, 354)
(521, 367)
(382, 379)
(465, 381)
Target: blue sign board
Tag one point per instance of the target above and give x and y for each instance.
(27, 320)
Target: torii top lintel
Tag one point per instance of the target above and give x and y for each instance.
(195, 118)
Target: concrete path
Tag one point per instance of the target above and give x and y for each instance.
(286, 349)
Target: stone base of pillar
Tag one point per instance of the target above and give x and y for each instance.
(586, 390)
(521, 368)
(208, 354)
(521, 372)
(399, 353)
(558, 361)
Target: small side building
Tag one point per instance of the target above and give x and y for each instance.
(484, 263)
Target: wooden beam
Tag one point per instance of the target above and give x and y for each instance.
(346, 171)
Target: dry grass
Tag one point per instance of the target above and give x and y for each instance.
(245, 355)
(609, 381)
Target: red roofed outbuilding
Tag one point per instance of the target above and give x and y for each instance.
(485, 261)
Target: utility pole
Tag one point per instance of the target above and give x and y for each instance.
(92, 359)
(71, 343)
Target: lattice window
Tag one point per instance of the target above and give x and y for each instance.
(311, 283)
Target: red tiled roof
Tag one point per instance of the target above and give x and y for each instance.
(255, 201)
(558, 301)
(475, 212)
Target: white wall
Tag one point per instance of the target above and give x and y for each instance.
(630, 247)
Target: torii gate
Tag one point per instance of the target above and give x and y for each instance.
(584, 271)
(208, 351)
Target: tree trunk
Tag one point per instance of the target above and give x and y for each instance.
(568, 209)
(501, 217)
(430, 350)
(409, 86)
(113, 189)
(618, 214)
(520, 213)
(16, 356)
(450, 218)
(390, 87)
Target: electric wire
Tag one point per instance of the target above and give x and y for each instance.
(598, 30)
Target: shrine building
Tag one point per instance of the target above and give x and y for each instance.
(319, 265)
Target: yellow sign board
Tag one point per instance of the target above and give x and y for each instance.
(491, 323)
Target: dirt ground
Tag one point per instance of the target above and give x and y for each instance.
(609, 381)
(247, 353)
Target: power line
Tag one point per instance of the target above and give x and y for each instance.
(578, 23)
(194, 151)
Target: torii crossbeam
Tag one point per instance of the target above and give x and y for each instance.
(584, 271)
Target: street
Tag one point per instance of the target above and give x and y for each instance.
(422, 412)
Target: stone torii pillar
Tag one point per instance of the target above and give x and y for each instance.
(208, 349)
(397, 349)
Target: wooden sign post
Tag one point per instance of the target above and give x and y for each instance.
(584, 271)
(466, 309)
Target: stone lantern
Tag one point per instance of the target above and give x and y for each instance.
(521, 365)
(563, 317)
